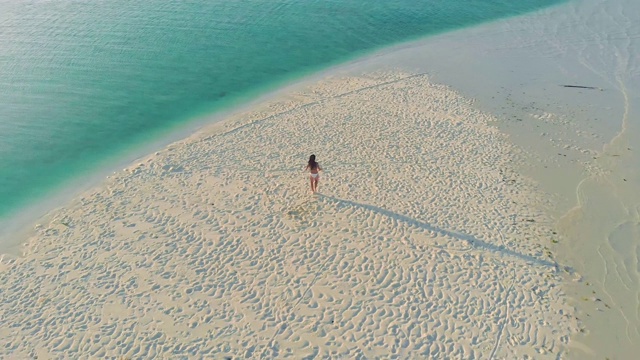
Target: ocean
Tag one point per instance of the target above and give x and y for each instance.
(84, 82)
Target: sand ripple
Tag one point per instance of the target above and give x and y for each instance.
(424, 243)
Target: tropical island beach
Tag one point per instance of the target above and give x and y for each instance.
(421, 242)
(478, 200)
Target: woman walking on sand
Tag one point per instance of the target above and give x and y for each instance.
(314, 170)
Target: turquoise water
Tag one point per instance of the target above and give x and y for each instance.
(84, 81)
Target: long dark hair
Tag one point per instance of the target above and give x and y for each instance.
(312, 162)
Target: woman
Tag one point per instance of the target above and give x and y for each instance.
(314, 169)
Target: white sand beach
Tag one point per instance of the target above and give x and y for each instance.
(501, 227)
(422, 243)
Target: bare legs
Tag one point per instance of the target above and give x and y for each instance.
(314, 184)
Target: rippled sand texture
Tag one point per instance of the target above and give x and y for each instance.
(422, 242)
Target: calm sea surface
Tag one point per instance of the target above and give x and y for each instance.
(85, 81)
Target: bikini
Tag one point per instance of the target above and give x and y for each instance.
(314, 175)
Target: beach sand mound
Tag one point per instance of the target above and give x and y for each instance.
(423, 242)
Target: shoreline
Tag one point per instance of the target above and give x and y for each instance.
(579, 142)
(436, 54)
(216, 242)
(14, 229)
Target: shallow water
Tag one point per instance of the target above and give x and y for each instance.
(580, 142)
(83, 82)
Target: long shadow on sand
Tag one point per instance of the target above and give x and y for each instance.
(456, 235)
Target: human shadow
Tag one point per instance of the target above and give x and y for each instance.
(456, 235)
